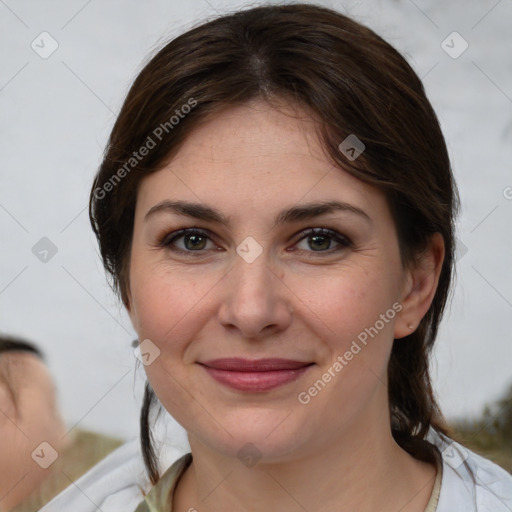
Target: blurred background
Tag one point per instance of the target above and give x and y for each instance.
(65, 68)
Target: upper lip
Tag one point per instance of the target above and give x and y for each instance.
(236, 364)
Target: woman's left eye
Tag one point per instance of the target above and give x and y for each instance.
(319, 238)
(195, 240)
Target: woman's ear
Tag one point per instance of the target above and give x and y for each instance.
(419, 287)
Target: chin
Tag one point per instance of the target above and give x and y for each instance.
(268, 437)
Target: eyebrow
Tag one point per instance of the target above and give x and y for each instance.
(293, 214)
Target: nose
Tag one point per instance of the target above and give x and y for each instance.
(255, 300)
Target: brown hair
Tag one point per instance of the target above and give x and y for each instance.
(351, 81)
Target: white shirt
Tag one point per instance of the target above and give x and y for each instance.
(116, 483)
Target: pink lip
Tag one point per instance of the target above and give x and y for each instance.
(255, 375)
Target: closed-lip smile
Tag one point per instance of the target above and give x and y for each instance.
(255, 375)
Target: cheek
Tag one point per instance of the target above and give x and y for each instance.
(358, 311)
(359, 344)
(349, 303)
(163, 301)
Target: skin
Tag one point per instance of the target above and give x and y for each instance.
(25, 422)
(293, 301)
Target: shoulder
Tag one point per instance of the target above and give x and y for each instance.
(470, 482)
(118, 482)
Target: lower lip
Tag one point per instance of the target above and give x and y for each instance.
(255, 381)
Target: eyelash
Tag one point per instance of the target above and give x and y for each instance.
(169, 239)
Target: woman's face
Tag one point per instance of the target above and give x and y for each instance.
(260, 286)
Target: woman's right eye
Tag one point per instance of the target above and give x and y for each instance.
(193, 239)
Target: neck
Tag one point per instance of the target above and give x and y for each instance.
(364, 470)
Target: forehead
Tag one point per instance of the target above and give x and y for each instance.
(255, 155)
(251, 138)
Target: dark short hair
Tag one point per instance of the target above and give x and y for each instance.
(15, 344)
(354, 83)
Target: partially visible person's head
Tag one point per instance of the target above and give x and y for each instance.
(29, 415)
(353, 91)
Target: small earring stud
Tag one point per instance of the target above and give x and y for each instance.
(410, 326)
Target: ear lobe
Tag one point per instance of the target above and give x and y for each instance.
(420, 287)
